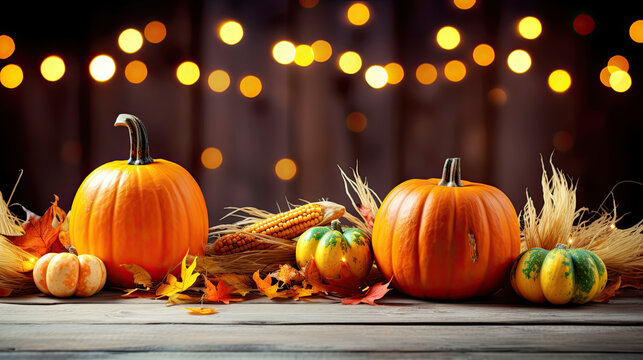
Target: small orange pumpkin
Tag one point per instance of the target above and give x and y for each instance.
(446, 238)
(67, 274)
(142, 211)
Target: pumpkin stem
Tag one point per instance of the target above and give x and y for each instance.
(451, 174)
(336, 225)
(561, 246)
(138, 142)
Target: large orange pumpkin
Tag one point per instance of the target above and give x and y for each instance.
(141, 211)
(446, 238)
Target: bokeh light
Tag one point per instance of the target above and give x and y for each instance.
(426, 73)
(605, 76)
(464, 4)
(356, 122)
(231, 32)
(102, 68)
(130, 40)
(284, 52)
(7, 46)
(563, 141)
(211, 158)
(583, 24)
(376, 76)
(286, 169)
(136, 72)
(155, 32)
(188, 73)
(304, 55)
(497, 96)
(219, 80)
(358, 14)
(620, 81)
(448, 37)
(52, 68)
(308, 4)
(529, 27)
(559, 80)
(455, 70)
(519, 61)
(636, 31)
(350, 62)
(395, 73)
(250, 86)
(483, 55)
(11, 76)
(322, 50)
(618, 62)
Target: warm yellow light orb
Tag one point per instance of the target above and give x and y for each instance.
(519, 61)
(286, 169)
(559, 80)
(231, 32)
(464, 4)
(350, 62)
(102, 68)
(358, 14)
(52, 68)
(130, 40)
(322, 50)
(426, 73)
(250, 86)
(11, 76)
(211, 158)
(483, 55)
(188, 73)
(376, 76)
(7, 46)
(155, 32)
(455, 70)
(136, 72)
(636, 31)
(605, 76)
(529, 27)
(395, 73)
(304, 55)
(284, 52)
(218, 81)
(620, 81)
(448, 37)
(618, 62)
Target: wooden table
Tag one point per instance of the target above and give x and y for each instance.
(501, 326)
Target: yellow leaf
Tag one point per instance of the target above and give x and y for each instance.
(141, 276)
(201, 311)
(173, 286)
(241, 283)
(169, 287)
(183, 299)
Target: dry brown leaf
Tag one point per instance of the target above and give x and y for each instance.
(141, 276)
(375, 292)
(201, 311)
(242, 284)
(609, 291)
(288, 275)
(41, 232)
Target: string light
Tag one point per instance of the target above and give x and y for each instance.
(455, 70)
(426, 73)
(620, 81)
(618, 62)
(322, 50)
(284, 52)
(636, 31)
(559, 81)
(130, 41)
(376, 76)
(52, 68)
(211, 158)
(218, 81)
(529, 27)
(464, 4)
(102, 68)
(519, 61)
(155, 32)
(605, 76)
(395, 73)
(304, 55)
(356, 122)
(483, 55)
(231, 32)
(358, 14)
(250, 86)
(448, 37)
(188, 73)
(583, 24)
(350, 62)
(11, 76)
(285, 169)
(136, 72)
(7, 46)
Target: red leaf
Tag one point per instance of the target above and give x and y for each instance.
(219, 293)
(376, 292)
(41, 232)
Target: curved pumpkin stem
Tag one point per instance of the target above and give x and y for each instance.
(139, 144)
(451, 175)
(336, 225)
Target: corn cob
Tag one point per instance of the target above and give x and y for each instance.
(285, 225)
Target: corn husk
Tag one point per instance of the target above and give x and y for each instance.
(369, 201)
(15, 266)
(560, 222)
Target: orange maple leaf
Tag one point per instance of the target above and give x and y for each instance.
(346, 285)
(375, 292)
(201, 311)
(219, 293)
(242, 284)
(41, 232)
(609, 291)
(288, 275)
(271, 291)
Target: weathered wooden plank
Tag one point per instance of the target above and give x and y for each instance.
(64, 355)
(321, 313)
(315, 338)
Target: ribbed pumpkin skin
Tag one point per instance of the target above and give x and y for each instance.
(148, 215)
(446, 242)
(558, 276)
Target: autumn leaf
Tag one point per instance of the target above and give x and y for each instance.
(138, 293)
(141, 276)
(345, 285)
(173, 286)
(201, 311)
(298, 292)
(288, 275)
(41, 232)
(609, 291)
(265, 287)
(313, 277)
(183, 299)
(375, 292)
(5, 292)
(242, 284)
(219, 293)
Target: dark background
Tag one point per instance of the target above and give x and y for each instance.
(58, 132)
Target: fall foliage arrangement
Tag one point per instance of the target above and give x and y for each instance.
(441, 238)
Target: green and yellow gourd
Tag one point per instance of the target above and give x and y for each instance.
(331, 247)
(558, 276)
